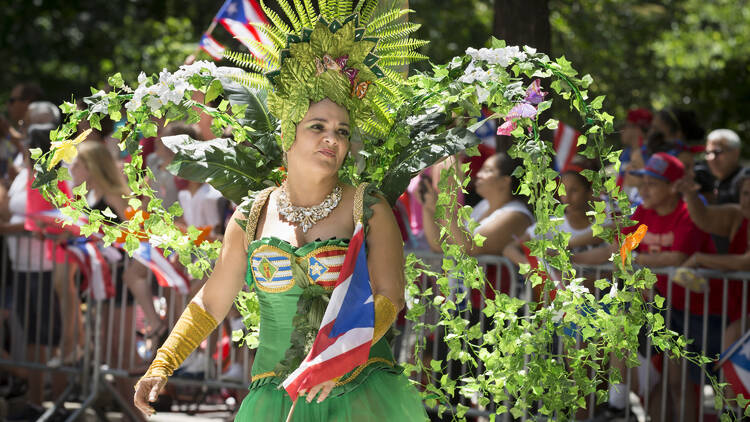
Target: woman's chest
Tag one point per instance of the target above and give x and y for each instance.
(278, 267)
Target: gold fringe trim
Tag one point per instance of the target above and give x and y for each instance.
(361, 368)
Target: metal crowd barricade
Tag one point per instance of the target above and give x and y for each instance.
(656, 404)
(99, 344)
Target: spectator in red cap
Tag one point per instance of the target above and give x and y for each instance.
(672, 237)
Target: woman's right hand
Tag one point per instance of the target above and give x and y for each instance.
(147, 390)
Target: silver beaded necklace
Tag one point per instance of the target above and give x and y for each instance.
(307, 216)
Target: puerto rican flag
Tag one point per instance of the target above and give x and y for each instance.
(736, 364)
(166, 274)
(236, 15)
(95, 269)
(346, 332)
(212, 47)
(566, 145)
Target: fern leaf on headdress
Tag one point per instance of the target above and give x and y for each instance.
(271, 32)
(374, 128)
(380, 109)
(268, 53)
(273, 17)
(247, 61)
(367, 10)
(401, 59)
(312, 16)
(302, 13)
(344, 8)
(389, 89)
(396, 31)
(386, 18)
(323, 9)
(358, 8)
(291, 15)
(403, 45)
(250, 80)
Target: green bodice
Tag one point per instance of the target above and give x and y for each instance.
(280, 274)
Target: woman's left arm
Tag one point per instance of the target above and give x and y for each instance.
(385, 255)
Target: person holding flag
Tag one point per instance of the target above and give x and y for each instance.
(325, 258)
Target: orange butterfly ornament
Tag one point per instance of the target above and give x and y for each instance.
(632, 241)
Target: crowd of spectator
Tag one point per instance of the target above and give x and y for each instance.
(43, 301)
(688, 188)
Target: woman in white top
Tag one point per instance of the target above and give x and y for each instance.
(502, 216)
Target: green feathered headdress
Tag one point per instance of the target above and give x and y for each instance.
(342, 53)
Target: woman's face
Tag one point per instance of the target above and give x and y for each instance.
(488, 177)
(79, 171)
(577, 194)
(322, 138)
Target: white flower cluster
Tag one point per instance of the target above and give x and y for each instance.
(497, 56)
(171, 87)
(493, 57)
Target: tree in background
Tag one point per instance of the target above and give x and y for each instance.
(688, 53)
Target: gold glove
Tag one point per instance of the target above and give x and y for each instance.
(194, 325)
(385, 315)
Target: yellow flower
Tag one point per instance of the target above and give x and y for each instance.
(66, 150)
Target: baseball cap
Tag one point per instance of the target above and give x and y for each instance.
(640, 117)
(662, 166)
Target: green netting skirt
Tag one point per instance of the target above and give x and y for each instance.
(383, 396)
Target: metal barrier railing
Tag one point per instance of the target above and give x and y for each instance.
(671, 397)
(96, 345)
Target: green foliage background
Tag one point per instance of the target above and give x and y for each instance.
(690, 53)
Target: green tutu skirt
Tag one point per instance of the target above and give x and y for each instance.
(383, 396)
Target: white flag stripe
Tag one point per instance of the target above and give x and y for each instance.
(252, 16)
(172, 276)
(240, 31)
(567, 137)
(348, 341)
(337, 299)
(213, 48)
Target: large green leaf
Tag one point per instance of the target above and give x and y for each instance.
(424, 150)
(262, 127)
(230, 168)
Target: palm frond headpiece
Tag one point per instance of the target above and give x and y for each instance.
(343, 53)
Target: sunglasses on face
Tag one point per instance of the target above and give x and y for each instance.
(12, 100)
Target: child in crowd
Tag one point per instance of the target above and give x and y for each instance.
(672, 237)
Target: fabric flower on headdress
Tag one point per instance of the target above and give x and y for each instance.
(344, 54)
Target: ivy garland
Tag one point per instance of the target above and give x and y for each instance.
(515, 354)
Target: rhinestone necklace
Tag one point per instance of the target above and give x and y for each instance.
(307, 216)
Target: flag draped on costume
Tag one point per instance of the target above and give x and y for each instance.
(346, 331)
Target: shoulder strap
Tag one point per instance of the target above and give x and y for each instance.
(252, 218)
(359, 204)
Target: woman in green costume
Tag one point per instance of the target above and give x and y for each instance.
(291, 243)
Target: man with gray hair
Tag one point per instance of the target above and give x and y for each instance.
(723, 159)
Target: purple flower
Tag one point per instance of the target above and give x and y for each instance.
(534, 93)
(506, 128)
(522, 110)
